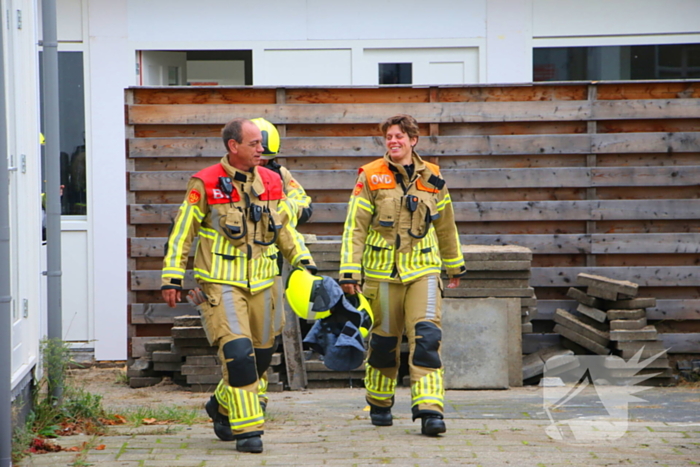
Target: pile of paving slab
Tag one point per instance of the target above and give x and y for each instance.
(610, 320)
(187, 359)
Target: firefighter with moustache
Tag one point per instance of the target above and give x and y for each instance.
(399, 232)
(237, 211)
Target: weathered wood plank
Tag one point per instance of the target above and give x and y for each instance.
(665, 309)
(681, 342)
(646, 243)
(490, 211)
(539, 244)
(645, 276)
(433, 112)
(607, 143)
(555, 177)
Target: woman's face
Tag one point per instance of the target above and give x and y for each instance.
(399, 145)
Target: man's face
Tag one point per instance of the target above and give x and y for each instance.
(246, 154)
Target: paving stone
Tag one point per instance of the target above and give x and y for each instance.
(167, 366)
(648, 348)
(141, 364)
(599, 282)
(592, 312)
(526, 328)
(198, 349)
(637, 313)
(648, 333)
(582, 297)
(202, 360)
(144, 381)
(497, 265)
(601, 293)
(163, 344)
(565, 318)
(581, 340)
(496, 253)
(628, 324)
(203, 379)
(187, 321)
(166, 356)
(529, 301)
(188, 332)
(201, 370)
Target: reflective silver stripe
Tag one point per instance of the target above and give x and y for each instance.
(384, 305)
(267, 321)
(279, 307)
(430, 309)
(244, 423)
(230, 309)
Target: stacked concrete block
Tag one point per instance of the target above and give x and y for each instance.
(495, 271)
(610, 318)
(187, 358)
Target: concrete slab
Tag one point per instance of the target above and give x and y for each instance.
(565, 318)
(647, 333)
(640, 302)
(592, 312)
(581, 340)
(601, 293)
(628, 324)
(582, 297)
(599, 282)
(496, 253)
(637, 313)
(479, 337)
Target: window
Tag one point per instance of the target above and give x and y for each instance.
(71, 110)
(395, 73)
(674, 61)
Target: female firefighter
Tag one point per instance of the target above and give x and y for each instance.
(399, 231)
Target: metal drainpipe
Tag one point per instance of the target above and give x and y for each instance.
(5, 290)
(53, 181)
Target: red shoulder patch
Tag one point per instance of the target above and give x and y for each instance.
(358, 188)
(293, 183)
(194, 197)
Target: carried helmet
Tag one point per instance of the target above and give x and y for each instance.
(306, 295)
(271, 138)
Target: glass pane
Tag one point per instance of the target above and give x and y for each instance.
(71, 110)
(395, 73)
(673, 61)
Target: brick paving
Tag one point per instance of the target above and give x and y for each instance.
(487, 428)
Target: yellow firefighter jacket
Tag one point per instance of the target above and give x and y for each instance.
(242, 224)
(397, 229)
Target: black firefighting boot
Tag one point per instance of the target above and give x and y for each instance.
(432, 425)
(253, 444)
(222, 427)
(381, 416)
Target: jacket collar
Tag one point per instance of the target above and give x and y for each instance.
(244, 177)
(418, 164)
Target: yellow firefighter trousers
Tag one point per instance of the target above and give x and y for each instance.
(243, 327)
(413, 308)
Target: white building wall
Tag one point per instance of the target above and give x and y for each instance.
(314, 42)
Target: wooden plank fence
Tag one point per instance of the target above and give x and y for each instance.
(601, 177)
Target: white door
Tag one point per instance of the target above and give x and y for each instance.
(163, 68)
(24, 185)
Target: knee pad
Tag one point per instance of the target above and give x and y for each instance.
(263, 357)
(383, 351)
(241, 367)
(428, 337)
